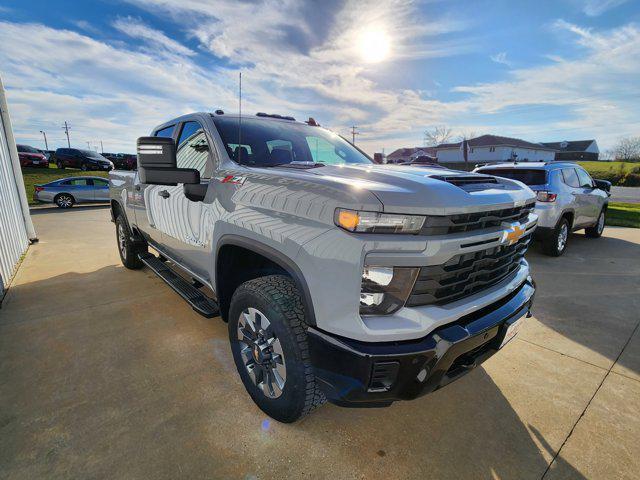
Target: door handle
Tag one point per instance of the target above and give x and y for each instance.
(164, 194)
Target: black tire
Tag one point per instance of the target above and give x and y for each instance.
(64, 200)
(84, 167)
(277, 298)
(598, 228)
(554, 246)
(126, 248)
(60, 165)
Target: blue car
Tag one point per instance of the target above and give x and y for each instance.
(66, 192)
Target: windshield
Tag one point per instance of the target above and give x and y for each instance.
(27, 149)
(92, 154)
(266, 143)
(528, 177)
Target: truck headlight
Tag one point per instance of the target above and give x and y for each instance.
(385, 289)
(376, 222)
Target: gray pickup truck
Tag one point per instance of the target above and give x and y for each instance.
(340, 279)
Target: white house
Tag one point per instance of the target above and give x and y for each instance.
(492, 148)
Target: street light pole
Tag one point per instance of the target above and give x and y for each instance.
(46, 145)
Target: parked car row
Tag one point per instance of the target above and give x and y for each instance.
(83, 159)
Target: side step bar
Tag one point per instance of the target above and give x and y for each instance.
(202, 304)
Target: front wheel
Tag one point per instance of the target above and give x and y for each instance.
(598, 228)
(269, 345)
(84, 167)
(556, 244)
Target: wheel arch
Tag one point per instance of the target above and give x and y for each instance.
(64, 193)
(269, 261)
(570, 216)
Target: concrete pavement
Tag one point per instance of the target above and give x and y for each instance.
(105, 372)
(625, 194)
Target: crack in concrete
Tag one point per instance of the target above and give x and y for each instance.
(590, 400)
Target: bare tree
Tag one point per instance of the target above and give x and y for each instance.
(627, 148)
(437, 135)
(466, 135)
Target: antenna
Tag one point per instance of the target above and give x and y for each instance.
(240, 118)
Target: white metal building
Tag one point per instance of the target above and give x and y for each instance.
(16, 228)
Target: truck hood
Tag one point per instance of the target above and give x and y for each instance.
(428, 191)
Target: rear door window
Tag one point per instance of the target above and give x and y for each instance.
(571, 177)
(99, 182)
(527, 176)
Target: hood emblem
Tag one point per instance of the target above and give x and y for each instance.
(512, 233)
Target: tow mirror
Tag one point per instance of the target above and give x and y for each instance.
(603, 185)
(157, 163)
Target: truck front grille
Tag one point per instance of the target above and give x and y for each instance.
(443, 225)
(467, 274)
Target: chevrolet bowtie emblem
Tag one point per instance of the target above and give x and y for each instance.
(512, 233)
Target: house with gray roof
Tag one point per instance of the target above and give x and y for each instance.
(575, 150)
(493, 148)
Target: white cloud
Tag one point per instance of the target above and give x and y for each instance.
(594, 8)
(501, 57)
(135, 28)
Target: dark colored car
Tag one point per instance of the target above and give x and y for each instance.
(82, 159)
(31, 157)
(122, 161)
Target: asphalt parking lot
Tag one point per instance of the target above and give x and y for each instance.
(105, 372)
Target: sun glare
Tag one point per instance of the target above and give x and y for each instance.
(374, 45)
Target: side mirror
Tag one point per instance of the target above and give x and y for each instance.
(603, 185)
(157, 163)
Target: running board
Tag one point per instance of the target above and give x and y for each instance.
(202, 304)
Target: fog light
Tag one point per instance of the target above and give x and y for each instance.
(385, 289)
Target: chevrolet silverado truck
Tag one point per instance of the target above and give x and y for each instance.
(340, 279)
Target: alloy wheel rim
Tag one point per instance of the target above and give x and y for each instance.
(122, 241)
(64, 201)
(601, 223)
(261, 352)
(562, 237)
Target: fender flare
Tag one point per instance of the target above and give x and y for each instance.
(277, 257)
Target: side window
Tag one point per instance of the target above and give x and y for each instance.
(570, 177)
(193, 149)
(77, 182)
(166, 132)
(585, 179)
(99, 182)
(322, 151)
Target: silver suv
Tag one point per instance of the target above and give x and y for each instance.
(568, 199)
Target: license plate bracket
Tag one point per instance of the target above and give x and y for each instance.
(512, 331)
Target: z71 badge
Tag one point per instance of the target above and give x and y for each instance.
(234, 179)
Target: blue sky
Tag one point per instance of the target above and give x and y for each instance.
(538, 70)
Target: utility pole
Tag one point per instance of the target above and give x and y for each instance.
(46, 145)
(353, 134)
(101, 147)
(66, 131)
(88, 145)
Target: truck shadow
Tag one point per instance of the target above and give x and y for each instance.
(108, 371)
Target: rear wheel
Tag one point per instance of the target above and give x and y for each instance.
(556, 244)
(126, 247)
(84, 167)
(64, 200)
(60, 165)
(268, 339)
(598, 228)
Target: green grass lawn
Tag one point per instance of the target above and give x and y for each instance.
(33, 176)
(623, 214)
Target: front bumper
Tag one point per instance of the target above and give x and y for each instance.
(360, 374)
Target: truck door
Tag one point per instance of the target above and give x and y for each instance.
(147, 203)
(188, 232)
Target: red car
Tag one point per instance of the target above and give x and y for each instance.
(31, 157)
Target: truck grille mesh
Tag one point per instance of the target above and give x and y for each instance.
(466, 274)
(442, 225)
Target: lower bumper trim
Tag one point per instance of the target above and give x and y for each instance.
(361, 374)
